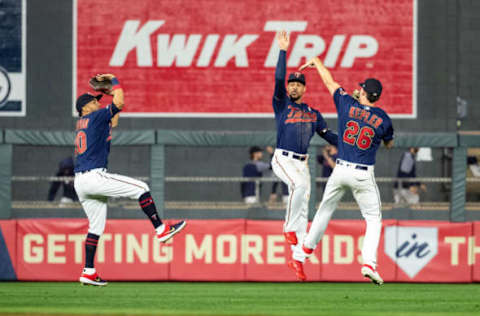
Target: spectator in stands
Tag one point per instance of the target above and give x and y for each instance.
(473, 165)
(253, 169)
(408, 191)
(69, 194)
(327, 159)
(473, 171)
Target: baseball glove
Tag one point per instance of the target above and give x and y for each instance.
(104, 86)
(356, 94)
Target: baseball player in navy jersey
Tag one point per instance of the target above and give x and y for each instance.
(362, 126)
(296, 124)
(94, 184)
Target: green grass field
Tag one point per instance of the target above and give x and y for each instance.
(239, 299)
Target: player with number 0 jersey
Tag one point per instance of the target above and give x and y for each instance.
(362, 126)
(94, 185)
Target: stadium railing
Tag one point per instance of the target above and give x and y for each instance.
(160, 139)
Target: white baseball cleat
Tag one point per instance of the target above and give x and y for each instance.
(372, 274)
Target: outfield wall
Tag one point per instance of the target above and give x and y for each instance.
(237, 250)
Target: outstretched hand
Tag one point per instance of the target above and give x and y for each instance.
(311, 63)
(283, 40)
(101, 77)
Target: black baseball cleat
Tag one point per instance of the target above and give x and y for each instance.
(171, 230)
(92, 279)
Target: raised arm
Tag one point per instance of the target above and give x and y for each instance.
(118, 100)
(280, 72)
(324, 73)
(117, 93)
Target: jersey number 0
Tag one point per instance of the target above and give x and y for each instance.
(80, 143)
(361, 137)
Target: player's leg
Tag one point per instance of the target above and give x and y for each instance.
(291, 172)
(299, 217)
(115, 185)
(334, 191)
(296, 175)
(96, 210)
(365, 192)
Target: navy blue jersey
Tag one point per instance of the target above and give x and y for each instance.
(92, 143)
(296, 123)
(361, 129)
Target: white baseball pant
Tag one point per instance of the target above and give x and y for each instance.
(296, 174)
(365, 191)
(95, 186)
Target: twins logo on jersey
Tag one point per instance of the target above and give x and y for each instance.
(297, 115)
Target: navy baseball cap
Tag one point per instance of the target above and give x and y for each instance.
(85, 99)
(296, 76)
(372, 86)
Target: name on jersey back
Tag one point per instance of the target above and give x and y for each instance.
(365, 116)
(82, 123)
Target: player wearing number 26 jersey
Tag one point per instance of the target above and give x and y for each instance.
(362, 129)
(362, 126)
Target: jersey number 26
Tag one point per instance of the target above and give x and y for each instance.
(353, 135)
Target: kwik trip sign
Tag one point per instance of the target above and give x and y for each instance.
(217, 58)
(237, 250)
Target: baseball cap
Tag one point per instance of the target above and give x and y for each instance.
(84, 99)
(296, 76)
(372, 86)
(255, 149)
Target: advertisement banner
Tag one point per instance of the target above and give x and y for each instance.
(53, 249)
(209, 251)
(429, 251)
(238, 250)
(50, 249)
(474, 251)
(341, 252)
(8, 250)
(12, 58)
(267, 254)
(217, 59)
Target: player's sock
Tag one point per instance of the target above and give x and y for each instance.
(89, 271)
(90, 249)
(148, 207)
